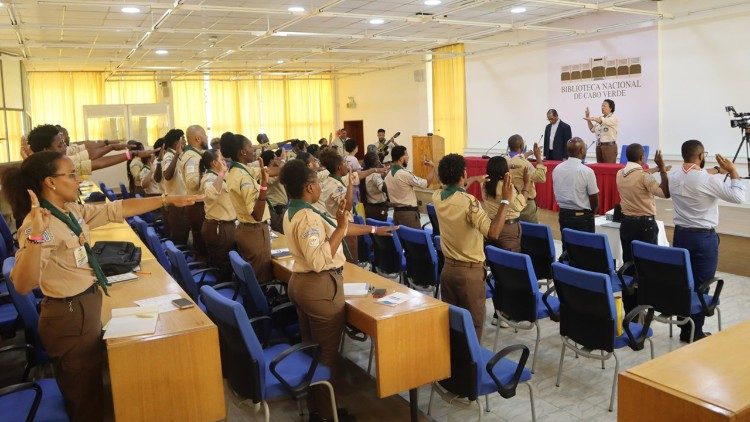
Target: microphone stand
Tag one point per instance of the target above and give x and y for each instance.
(485, 156)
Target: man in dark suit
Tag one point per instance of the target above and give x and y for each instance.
(556, 135)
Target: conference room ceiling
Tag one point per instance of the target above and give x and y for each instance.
(246, 38)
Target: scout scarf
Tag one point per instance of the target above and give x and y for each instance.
(450, 190)
(296, 205)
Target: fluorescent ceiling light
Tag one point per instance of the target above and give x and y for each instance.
(279, 34)
(130, 9)
(518, 10)
(296, 9)
(161, 52)
(432, 2)
(376, 21)
(279, 61)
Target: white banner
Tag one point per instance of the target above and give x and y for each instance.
(622, 68)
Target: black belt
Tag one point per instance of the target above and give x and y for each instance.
(395, 208)
(639, 217)
(576, 213)
(695, 229)
(220, 221)
(599, 143)
(338, 270)
(90, 290)
(512, 221)
(242, 223)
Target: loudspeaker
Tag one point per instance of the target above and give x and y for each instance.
(164, 87)
(419, 75)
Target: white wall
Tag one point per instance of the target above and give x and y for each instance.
(391, 100)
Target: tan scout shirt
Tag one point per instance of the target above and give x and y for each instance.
(147, 174)
(333, 191)
(637, 190)
(60, 275)
(491, 205)
(307, 236)
(82, 163)
(276, 194)
(217, 204)
(606, 131)
(75, 149)
(401, 187)
(244, 191)
(135, 169)
(374, 188)
(189, 165)
(537, 174)
(463, 226)
(175, 186)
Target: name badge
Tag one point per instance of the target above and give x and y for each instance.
(82, 258)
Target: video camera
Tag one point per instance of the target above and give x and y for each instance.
(741, 120)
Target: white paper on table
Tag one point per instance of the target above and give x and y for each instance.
(164, 303)
(356, 289)
(394, 299)
(280, 253)
(132, 321)
(121, 277)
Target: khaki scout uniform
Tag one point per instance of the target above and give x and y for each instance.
(537, 174)
(277, 199)
(176, 218)
(606, 138)
(189, 165)
(70, 325)
(82, 163)
(316, 289)
(401, 183)
(219, 226)
(463, 227)
(148, 174)
(135, 167)
(75, 149)
(376, 205)
(333, 191)
(510, 237)
(637, 191)
(253, 237)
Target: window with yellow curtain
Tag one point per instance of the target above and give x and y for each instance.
(273, 111)
(449, 97)
(189, 103)
(130, 91)
(59, 97)
(224, 106)
(309, 108)
(248, 97)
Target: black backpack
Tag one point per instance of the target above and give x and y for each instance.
(117, 257)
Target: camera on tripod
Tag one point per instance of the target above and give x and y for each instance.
(741, 120)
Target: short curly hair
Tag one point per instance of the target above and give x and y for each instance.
(294, 176)
(41, 137)
(330, 160)
(451, 169)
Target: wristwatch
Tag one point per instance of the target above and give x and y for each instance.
(505, 202)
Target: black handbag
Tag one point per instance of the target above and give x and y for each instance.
(117, 257)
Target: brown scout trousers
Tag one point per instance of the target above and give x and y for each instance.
(407, 218)
(177, 225)
(606, 153)
(254, 245)
(462, 285)
(196, 213)
(219, 239)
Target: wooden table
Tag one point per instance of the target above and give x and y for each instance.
(173, 374)
(412, 340)
(708, 380)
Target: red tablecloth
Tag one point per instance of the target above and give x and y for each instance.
(545, 198)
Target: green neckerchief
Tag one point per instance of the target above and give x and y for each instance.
(236, 165)
(212, 172)
(450, 190)
(337, 177)
(146, 167)
(395, 168)
(73, 225)
(296, 205)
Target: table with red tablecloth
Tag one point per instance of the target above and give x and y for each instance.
(545, 198)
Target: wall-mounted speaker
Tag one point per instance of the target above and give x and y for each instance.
(164, 87)
(419, 75)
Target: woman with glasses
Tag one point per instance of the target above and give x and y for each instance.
(55, 254)
(492, 197)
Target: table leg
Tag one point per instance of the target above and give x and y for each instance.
(413, 404)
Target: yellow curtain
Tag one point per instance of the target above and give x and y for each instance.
(124, 91)
(309, 108)
(59, 97)
(449, 97)
(273, 113)
(14, 122)
(224, 106)
(189, 103)
(249, 105)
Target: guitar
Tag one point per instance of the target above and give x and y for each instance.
(383, 146)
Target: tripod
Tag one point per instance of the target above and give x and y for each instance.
(744, 140)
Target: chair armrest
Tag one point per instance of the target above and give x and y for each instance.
(633, 342)
(27, 347)
(284, 315)
(621, 276)
(509, 390)
(426, 224)
(26, 386)
(554, 316)
(298, 390)
(265, 328)
(196, 264)
(709, 308)
(354, 333)
(203, 272)
(229, 285)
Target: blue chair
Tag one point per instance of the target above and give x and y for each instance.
(389, 254)
(421, 258)
(157, 248)
(476, 371)
(263, 374)
(124, 191)
(665, 281)
(537, 242)
(432, 215)
(365, 243)
(110, 194)
(590, 252)
(33, 401)
(9, 242)
(283, 318)
(517, 298)
(8, 314)
(192, 281)
(624, 155)
(588, 319)
(102, 186)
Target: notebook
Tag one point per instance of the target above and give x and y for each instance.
(356, 289)
(394, 299)
(133, 321)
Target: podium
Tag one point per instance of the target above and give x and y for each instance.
(430, 147)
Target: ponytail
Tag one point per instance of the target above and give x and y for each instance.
(30, 175)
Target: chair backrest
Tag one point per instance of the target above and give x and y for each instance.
(624, 155)
(245, 366)
(364, 242)
(102, 186)
(439, 251)
(665, 277)
(7, 236)
(537, 242)
(110, 194)
(588, 251)
(140, 225)
(466, 356)
(124, 191)
(432, 215)
(181, 270)
(154, 244)
(421, 258)
(587, 307)
(26, 308)
(243, 270)
(516, 289)
(389, 254)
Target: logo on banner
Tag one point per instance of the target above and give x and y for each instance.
(601, 78)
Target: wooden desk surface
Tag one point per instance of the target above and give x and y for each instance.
(712, 375)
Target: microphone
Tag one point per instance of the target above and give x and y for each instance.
(485, 156)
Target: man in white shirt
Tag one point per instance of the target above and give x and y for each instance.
(575, 189)
(605, 127)
(338, 141)
(696, 194)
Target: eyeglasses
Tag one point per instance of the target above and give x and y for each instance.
(71, 175)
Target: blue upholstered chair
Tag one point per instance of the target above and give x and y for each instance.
(588, 319)
(590, 252)
(389, 255)
(40, 400)
(193, 280)
(665, 281)
(432, 215)
(516, 297)
(624, 155)
(476, 371)
(421, 258)
(537, 242)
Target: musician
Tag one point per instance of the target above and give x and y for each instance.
(385, 146)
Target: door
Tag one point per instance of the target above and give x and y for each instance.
(354, 130)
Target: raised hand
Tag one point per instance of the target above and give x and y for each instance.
(507, 187)
(726, 164)
(537, 153)
(39, 216)
(161, 153)
(184, 200)
(385, 231)
(659, 160)
(526, 176)
(342, 220)
(587, 113)
(149, 152)
(263, 172)
(117, 146)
